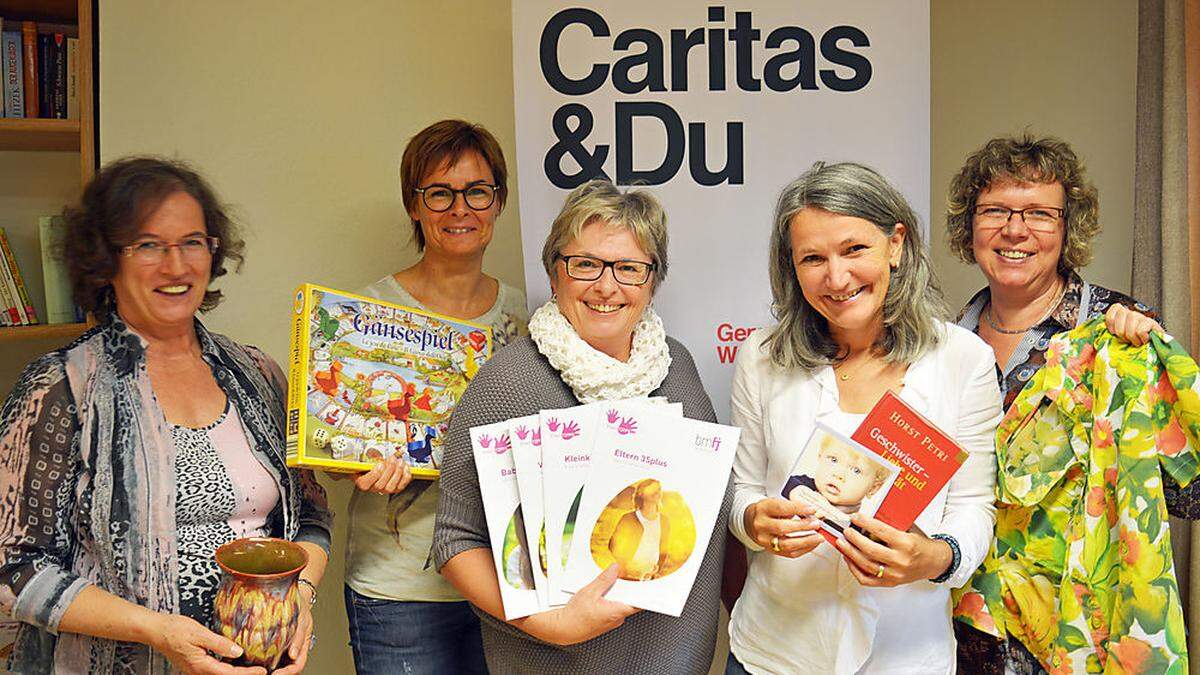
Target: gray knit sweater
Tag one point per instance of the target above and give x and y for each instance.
(519, 381)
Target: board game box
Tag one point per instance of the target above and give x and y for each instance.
(370, 379)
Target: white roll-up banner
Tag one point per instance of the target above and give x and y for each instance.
(713, 107)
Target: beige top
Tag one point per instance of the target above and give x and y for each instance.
(388, 547)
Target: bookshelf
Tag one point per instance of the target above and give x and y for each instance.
(18, 138)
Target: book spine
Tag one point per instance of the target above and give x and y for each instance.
(298, 377)
(14, 83)
(59, 306)
(72, 78)
(59, 47)
(45, 76)
(15, 271)
(8, 306)
(29, 49)
(10, 281)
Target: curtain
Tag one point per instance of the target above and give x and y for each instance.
(1167, 214)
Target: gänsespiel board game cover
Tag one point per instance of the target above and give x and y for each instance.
(370, 379)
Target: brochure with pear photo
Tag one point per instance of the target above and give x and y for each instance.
(656, 487)
(568, 492)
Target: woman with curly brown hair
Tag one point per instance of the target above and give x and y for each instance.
(131, 454)
(1023, 209)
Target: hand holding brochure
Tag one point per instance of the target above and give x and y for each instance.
(649, 502)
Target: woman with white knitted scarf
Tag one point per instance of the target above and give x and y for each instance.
(597, 339)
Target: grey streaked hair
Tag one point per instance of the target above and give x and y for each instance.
(913, 306)
(600, 200)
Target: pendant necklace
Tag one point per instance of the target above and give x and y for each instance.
(1020, 331)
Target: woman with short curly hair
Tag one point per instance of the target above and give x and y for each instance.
(1023, 209)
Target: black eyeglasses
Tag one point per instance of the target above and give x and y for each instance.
(627, 272)
(440, 198)
(1037, 218)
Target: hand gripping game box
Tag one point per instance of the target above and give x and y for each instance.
(370, 379)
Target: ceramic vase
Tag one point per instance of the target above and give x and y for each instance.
(258, 602)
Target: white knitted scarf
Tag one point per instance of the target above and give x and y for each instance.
(593, 375)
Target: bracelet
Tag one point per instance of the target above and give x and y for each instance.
(313, 589)
(955, 561)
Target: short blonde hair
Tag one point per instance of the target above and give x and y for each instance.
(1026, 159)
(601, 201)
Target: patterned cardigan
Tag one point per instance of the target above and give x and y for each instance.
(87, 482)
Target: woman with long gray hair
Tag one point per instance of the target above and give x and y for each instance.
(859, 313)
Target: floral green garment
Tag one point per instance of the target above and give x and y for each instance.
(1081, 569)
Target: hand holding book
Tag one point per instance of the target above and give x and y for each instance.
(781, 526)
(887, 557)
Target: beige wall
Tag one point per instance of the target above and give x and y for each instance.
(298, 111)
(1064, 68)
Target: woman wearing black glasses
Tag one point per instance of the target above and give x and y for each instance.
(598, 339)
(403, 616)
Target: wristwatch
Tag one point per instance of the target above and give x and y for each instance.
(311, 588)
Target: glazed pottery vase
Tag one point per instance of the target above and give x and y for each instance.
(258, 602)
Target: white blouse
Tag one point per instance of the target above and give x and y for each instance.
(810, 614)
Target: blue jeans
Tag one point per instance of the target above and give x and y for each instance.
(734, 667)
(413, 638)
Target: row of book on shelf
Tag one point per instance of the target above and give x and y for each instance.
(16, 308)
(569, 492)
(40, 65)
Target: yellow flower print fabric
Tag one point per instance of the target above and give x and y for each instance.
(1081, 570)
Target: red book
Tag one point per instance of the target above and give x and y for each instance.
(927, 458)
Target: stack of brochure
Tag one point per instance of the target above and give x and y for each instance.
(569, 492)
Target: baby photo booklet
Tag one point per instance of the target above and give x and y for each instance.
(838, 477)
(546, 478)
(891, 468)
